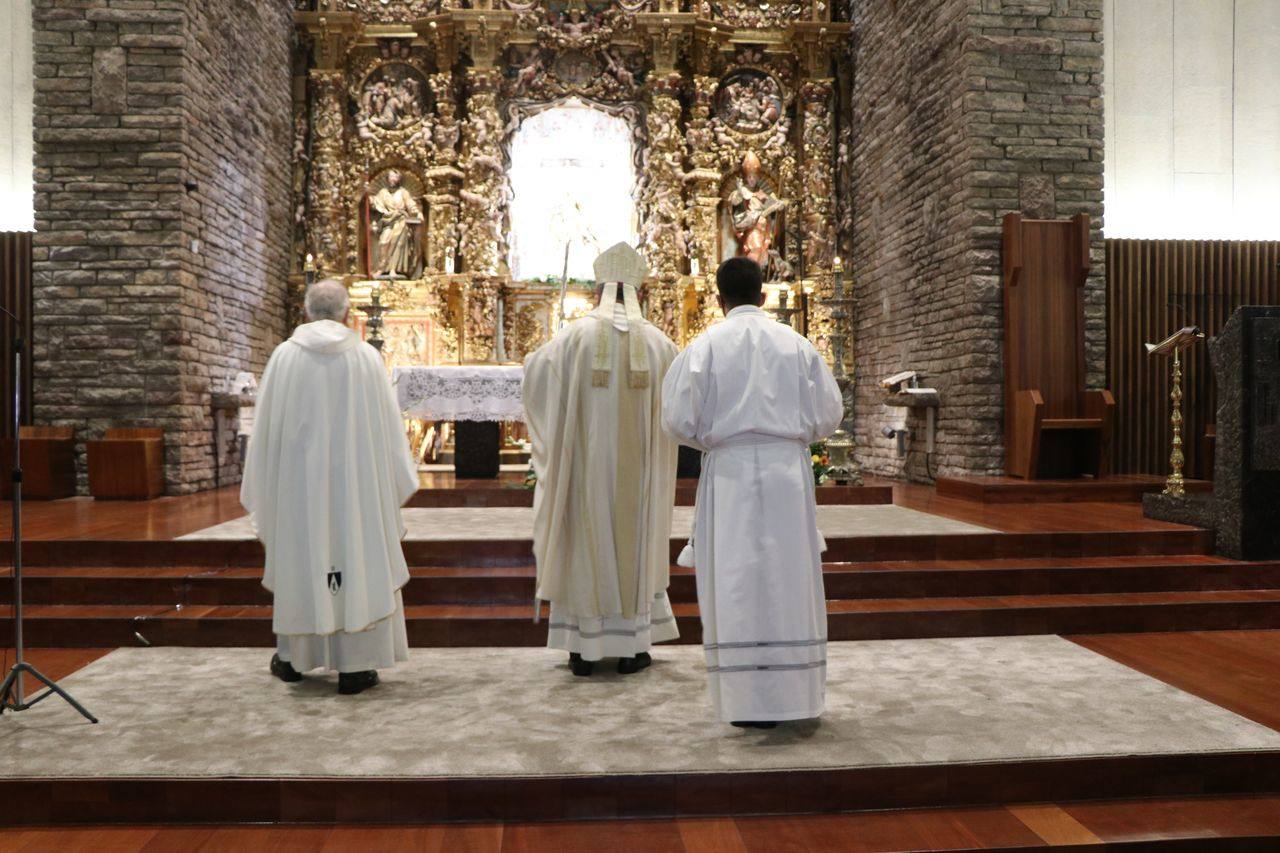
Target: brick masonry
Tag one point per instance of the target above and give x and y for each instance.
(162, 213)
(963, 110)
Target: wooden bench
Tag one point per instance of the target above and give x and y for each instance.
(48, 463)
(127, 464)
(1054, 427)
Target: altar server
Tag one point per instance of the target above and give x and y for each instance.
(605, 476)
(327, 471)
(752, 394)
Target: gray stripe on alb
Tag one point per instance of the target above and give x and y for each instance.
(763, 644)
(616, 632)
(776, 667)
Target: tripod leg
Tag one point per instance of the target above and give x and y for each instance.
(7, 688)
(54, 688)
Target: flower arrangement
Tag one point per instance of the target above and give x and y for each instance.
(821, 462)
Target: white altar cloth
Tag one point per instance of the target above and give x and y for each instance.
(481, 392)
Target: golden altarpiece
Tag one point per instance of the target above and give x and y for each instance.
(404, 113)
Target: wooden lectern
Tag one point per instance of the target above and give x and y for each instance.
(127, 464)
(1053, 427)
(48, 463)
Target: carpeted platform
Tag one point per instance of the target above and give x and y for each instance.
(191, 712)
(451, 524)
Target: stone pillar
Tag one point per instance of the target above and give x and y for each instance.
(483, 200)
(326, 240)
(964, 112)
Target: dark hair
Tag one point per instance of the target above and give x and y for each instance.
(739, 281)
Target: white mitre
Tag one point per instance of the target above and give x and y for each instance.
(621, 264)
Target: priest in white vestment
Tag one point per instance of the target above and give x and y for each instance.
(752, 394)
(327, 471)
(605, 476)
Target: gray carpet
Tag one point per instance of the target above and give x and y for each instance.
(477, 712)
(446, 524)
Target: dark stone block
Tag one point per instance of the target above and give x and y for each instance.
(477, 449)
(1244, 510)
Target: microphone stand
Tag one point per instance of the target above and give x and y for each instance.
(12, 696)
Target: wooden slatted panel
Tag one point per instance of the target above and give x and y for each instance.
(15, 295)
(1155, 287)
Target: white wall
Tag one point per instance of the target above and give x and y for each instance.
(16, 95)
(1192, 98)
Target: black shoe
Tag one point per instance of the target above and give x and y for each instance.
(579, 666)
(284, 670)
(627, 666)
(351, 683)
(755, 724)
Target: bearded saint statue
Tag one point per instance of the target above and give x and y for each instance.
(398, 213)
(754, 211)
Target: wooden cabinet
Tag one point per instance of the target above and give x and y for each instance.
(48, 463)
(127, 464)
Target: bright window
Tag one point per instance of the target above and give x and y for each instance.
(572, 181)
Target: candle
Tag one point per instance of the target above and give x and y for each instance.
(694, 267)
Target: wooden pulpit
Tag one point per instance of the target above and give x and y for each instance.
(1053, 426)
(48, 462)
(127, 464)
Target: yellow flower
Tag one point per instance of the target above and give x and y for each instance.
(816, 458)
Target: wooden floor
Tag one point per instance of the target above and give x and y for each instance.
(1084, 825)
(170, 517)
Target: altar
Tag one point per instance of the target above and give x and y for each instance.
(476, 398)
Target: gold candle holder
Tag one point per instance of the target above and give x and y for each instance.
(1175, 486)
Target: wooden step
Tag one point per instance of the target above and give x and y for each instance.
(515, 584)
(518, 552)
(849, 619)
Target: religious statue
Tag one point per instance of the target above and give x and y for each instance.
(398, 214)
(755, 211)
(749, 101)
(392, 98)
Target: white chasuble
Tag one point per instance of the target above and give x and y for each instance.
(752, 395)
(326, 473)
(605, 482)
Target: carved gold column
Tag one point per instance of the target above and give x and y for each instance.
(444, 178)
(484, 185)
(662, 206)
(817, 165)
(325, 238)
(480, 303)
(702, 180)
(331, 33)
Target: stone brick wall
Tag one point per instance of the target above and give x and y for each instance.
(161, 212)
(963, 110)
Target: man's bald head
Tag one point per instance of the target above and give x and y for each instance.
(327, 299)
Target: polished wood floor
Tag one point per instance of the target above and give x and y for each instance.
(1084, 825)
(167, 518)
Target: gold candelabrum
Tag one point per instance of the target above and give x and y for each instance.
(844, 468)
(1175, 486)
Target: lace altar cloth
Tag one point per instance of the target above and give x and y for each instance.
(479, 392)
